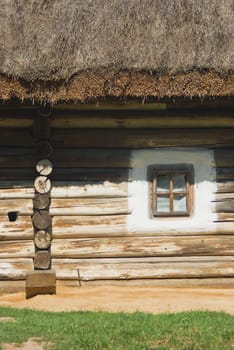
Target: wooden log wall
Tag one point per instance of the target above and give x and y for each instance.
(89, 200)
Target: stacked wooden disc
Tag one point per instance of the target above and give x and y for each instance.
(41, 218)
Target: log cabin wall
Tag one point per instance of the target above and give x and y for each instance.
(91, 192)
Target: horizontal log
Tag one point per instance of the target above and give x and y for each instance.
(225, 186)
(17, 174)
(61, 189)
(225, 217)
(94, 158)
(16, 122)
(12, 157)
(20, 206)
(215, 282)
(15, 269)
(16, 137)
(224, 157)
(21, 229)
(226, 206)
(12, 286)
(91, 174)
(225, 173)
(141, 247)
(71, 229)
(16, 249)
(135, 269)
(71, 224)
(143, 138)
(219, 197)
(89, 206)
(116, 226)
(69, 206)
(141, 119)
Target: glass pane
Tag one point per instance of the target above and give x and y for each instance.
(179, 182)
(180, 203)
(163, 183)
(163, 204)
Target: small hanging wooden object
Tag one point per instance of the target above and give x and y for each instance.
(42, 184)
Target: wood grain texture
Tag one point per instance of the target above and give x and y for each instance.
(141, 119)
(224, 157)
(41, 201)
(42, 260)
(16, 249)
(137, 268)
(89, 206)
(91, 174)
(21, 229)
(225, 173)
(94, 158)
(16, 189)
(225, 186)
(144, 138)
(41, 219)
(141, 247)
(21, 206)
(16, 137)
(215, 282)
(42, 239)
(61, 189)
(15, 269)
(42, 184)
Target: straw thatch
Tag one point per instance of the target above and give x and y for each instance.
(66, 49)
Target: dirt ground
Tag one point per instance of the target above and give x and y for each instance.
(125, 298)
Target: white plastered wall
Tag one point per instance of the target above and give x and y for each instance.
(201, 220)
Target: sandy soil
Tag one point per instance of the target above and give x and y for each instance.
(30, 344)
(129, 299)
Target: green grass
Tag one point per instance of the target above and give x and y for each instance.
(120, 331)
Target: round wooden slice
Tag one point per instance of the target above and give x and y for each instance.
(43, 149)
(42, 184)
(44, 111)
(42, 260)
(41, 201)
(44, 167)
(42, 239)
(41, 220)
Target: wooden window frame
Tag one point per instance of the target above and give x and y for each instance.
(171, 170)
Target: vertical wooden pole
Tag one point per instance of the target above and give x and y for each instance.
(41, 219)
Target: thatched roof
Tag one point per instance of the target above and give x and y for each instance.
(75, 50)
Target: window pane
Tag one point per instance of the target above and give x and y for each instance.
(179, 182)
(163, 204)
(163, 183)
(180, 203)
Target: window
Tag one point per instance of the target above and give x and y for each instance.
(171, 190)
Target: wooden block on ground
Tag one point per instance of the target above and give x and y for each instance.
(40, 282)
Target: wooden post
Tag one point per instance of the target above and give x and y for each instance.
(37, 283)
